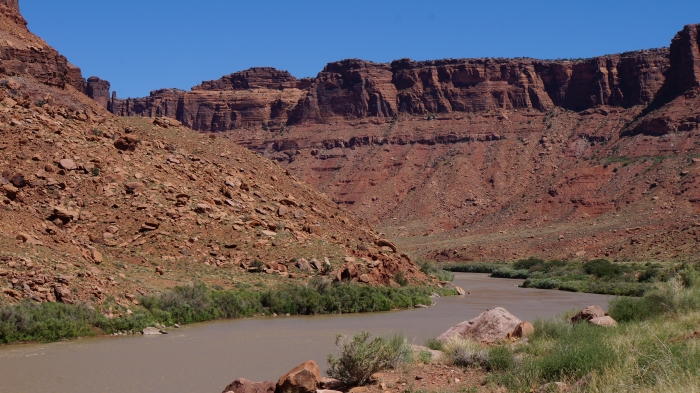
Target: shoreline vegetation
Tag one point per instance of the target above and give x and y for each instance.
(47, 322)
(654, 347)
(598, 276)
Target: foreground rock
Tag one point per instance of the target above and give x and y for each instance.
(303, 378)
(523, 329)
(587, 314)
(489, 326)
(605, 321)
(242, 385)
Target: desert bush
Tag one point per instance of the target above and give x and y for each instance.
(602, 268)
(463, 352)
(434, 344)
(527, 264)
(425, 357)
(506, 272)
(361, 356)
(400, 279)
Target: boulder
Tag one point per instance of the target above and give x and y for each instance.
(150, 331)
(587, 314)
(126, 143)
(303, 265)
(489, 326)
(67, 164)
(523, 329)
(242, 385)
(303, 378)
(603, 321)
(460, 291)
(64, 214)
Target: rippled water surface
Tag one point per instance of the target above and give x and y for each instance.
(206, 357)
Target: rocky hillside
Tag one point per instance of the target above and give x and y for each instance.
(483, 159)
(101, 209)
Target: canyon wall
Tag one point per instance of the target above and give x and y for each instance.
(356, 89)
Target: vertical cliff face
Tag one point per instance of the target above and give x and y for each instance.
(98, 90)
(685, 58)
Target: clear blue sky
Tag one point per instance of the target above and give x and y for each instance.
(142, 45)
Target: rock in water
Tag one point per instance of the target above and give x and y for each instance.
(242, 385)
(489, 326)
(303, 378)
(151, 331)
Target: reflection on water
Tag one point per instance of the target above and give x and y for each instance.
(206, 357)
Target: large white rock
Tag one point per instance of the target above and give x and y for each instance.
(489, 326)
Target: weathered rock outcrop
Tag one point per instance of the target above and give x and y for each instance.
(22, 54)
(98, 90)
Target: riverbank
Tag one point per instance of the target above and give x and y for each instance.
(595, 276)
(208, 356)
(45, 322)
(654, 346)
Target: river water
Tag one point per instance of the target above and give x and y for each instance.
(206, 357)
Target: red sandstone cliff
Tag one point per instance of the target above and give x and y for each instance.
(360, 89)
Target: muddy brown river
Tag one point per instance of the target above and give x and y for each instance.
(206, 357)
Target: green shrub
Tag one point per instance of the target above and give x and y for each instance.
(425, 357)
(434, 344)
(527, 264)
(400, 279)
(360, 357)
(602, 268)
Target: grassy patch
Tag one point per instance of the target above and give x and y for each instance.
(650, 350)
